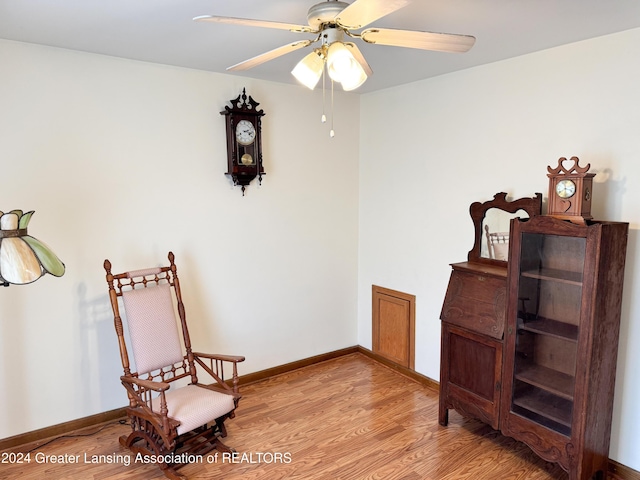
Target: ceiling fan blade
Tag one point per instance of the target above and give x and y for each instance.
(270, 55)
(362, 12)
(357, 54)
(256, 23)
(441, 42)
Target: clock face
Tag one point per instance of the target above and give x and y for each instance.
(245, 132)
(565, 188)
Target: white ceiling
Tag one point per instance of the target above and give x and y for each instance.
(162, 31)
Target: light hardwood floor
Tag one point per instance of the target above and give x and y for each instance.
(349, 418)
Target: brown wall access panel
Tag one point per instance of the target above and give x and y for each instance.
(394, 320)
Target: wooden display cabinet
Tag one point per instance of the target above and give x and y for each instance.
(563, 316)
(473, 316)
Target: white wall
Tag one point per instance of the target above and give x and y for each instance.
(125, 160)
(429, 149)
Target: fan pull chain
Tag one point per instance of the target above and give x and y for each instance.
(323, 119)
(331, 132)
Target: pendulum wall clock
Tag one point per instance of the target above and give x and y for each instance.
(244, 140)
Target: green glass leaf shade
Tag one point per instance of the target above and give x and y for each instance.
(23, 258)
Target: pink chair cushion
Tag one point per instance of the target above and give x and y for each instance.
(194, 406)
(152, 327)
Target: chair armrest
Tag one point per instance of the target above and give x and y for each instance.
(224, 358)
(140, 397)
(147, 384)
(216, 369)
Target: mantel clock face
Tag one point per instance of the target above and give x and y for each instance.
(570, 191)
(244, 142)
(565, 188)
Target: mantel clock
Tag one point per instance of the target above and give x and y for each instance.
(570, 191)
(244, 140)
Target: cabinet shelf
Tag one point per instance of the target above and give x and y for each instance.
(562, 276)
(554, 328)
(546, 405)
(547, 379)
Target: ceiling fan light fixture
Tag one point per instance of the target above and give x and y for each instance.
(332, 20)
(343, 67)
(309, 70)
(340, 61)
(354, 79)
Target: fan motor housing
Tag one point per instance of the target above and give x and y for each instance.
(324, 12)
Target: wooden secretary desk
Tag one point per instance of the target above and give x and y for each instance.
(529, 346)
(473, 314)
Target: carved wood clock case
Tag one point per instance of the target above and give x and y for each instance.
(570, 191)
(244, 140)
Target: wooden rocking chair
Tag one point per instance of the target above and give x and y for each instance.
(171, 421)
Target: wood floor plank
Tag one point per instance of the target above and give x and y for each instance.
(348, 418)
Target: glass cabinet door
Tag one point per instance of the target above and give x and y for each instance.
(548, 323)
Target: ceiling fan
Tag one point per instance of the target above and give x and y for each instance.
(331, 21)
